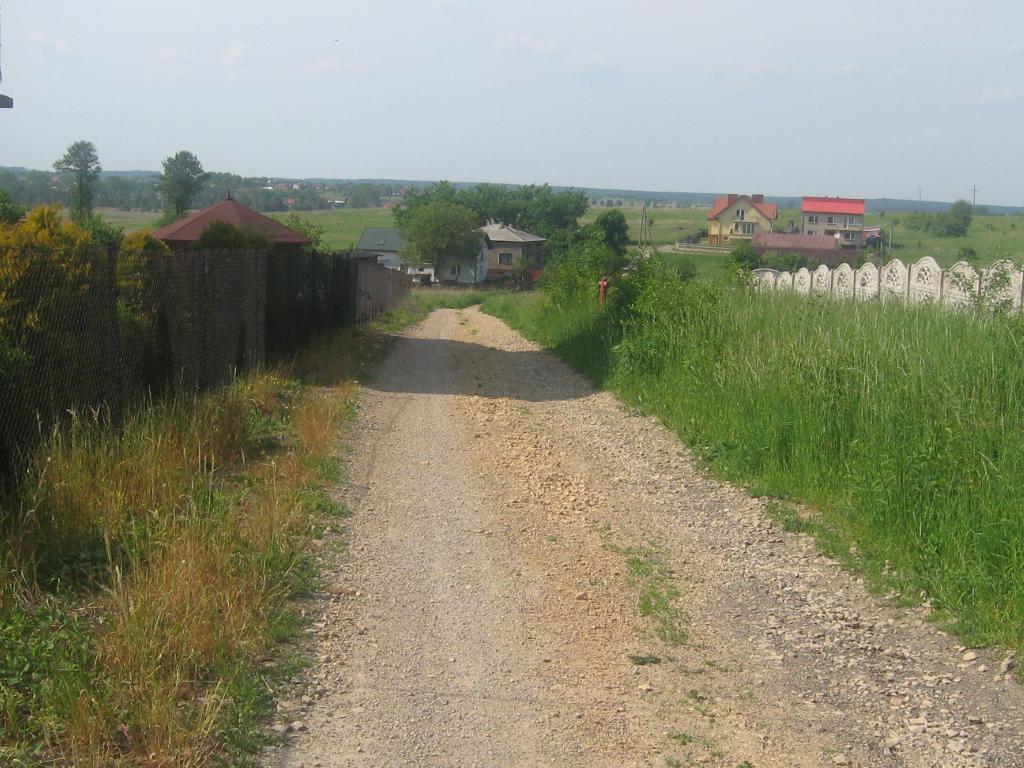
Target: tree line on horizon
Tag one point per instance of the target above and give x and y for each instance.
(146, 192)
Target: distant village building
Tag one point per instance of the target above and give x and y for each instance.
(739, 217)
(385, 244)
(505, 248)
(841, 218)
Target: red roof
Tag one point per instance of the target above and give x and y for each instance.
(844, 205)
(768, 210)
(189, 229)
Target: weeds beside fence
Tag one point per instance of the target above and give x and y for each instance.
(147, 572)
(902, 425)
(90, 328)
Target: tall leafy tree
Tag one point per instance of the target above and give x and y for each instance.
(82, 161)
(960, 215)
(10, 211)
(441, 232)
(181, 181)
(614, 229)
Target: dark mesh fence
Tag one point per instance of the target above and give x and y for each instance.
(99, 332)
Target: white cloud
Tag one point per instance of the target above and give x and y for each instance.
(336, 64)
(452, 5)
(232, 55)
(1001, 94)
(170, 56)
(765, 69)
(530, 44)
(47, 37)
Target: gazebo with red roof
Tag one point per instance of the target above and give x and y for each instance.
(189, 229)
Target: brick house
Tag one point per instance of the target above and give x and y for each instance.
(839, 217)
(503, 248)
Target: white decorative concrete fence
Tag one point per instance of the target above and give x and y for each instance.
(999, 284)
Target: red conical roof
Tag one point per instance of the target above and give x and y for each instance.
(189, 229)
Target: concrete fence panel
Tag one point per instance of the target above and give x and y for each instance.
(866, 282)
(925, 281)
(894, 279)
(765, 279)
(821, 280)
(961, 285)
(843, 281)
(1001, 285)
(802, 280)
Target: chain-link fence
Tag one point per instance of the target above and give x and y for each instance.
(90, 331)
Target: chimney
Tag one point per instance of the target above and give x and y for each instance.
(757, 198)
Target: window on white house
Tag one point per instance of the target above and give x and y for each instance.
(831, 220)
(812, 219)
(851, 221)
(848, 235)
(748, 228)
(455, 270)
(504, 258)
(810, 232)
(740, 213)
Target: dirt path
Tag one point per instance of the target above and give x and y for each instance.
(512, 527)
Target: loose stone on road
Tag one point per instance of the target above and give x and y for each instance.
(508, 524)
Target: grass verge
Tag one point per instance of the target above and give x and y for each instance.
(148, 573)
(902, 427)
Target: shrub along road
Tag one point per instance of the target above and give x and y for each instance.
(536, 577)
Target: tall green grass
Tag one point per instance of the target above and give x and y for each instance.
(902, 425)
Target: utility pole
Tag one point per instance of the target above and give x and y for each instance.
(6, 102)
(974, 196)
(920, 189)
(645, 242)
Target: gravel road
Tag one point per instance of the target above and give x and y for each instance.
(502, 600)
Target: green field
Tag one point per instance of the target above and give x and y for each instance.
(131, 221)
(670, 224)
(342, 227)
(992, 237)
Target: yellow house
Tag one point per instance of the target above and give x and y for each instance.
(739, 217)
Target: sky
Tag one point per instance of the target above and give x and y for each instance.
(865, 99)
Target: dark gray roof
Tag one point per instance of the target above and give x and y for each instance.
(387, 239)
